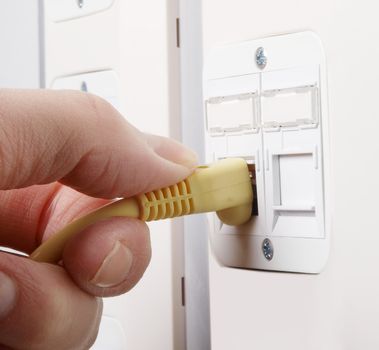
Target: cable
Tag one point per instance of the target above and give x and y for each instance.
(224, 187)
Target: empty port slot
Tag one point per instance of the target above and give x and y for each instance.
(231, 113)
(294, 182)
(252, 173)
(289, 107)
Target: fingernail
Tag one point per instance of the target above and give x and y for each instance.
(114, 268)
(7, 295)
(181, 154)
(188, 158)
(172, 150)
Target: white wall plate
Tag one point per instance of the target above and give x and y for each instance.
(102, 83)
(111, 335)
(63, 10)
(274, 115)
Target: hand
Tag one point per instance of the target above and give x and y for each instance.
(63, 154)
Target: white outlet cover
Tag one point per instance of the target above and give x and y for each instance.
(111, 335)
(63, 10)
(288, 144)
(103, 83)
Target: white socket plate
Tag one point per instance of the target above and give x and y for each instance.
(277, 119)
(103, 83)
(63, 10)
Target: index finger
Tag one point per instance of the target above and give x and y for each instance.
(82, 141)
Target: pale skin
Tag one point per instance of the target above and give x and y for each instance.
(63, 154)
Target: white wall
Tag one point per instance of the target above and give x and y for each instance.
(19, 44)
(338, 309)
(195, 227)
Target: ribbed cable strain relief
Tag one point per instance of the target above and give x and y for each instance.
(168, 202)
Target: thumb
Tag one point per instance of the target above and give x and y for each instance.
(42, 308)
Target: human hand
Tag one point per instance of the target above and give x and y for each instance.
(63, 154)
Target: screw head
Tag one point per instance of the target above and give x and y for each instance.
(80, 3)
(268, 249)
(261, 57)
(84, 87)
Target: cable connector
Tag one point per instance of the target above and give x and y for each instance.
(223, 187)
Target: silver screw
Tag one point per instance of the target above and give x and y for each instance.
(260, 57)
(268, 249)
(84, 87)
(80, 3)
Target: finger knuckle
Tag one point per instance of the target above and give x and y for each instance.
(101, 109)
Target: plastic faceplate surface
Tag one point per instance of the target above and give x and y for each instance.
(276, 118)
(63, 10)
(102, 83)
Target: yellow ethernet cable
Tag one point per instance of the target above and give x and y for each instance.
(224, 187)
